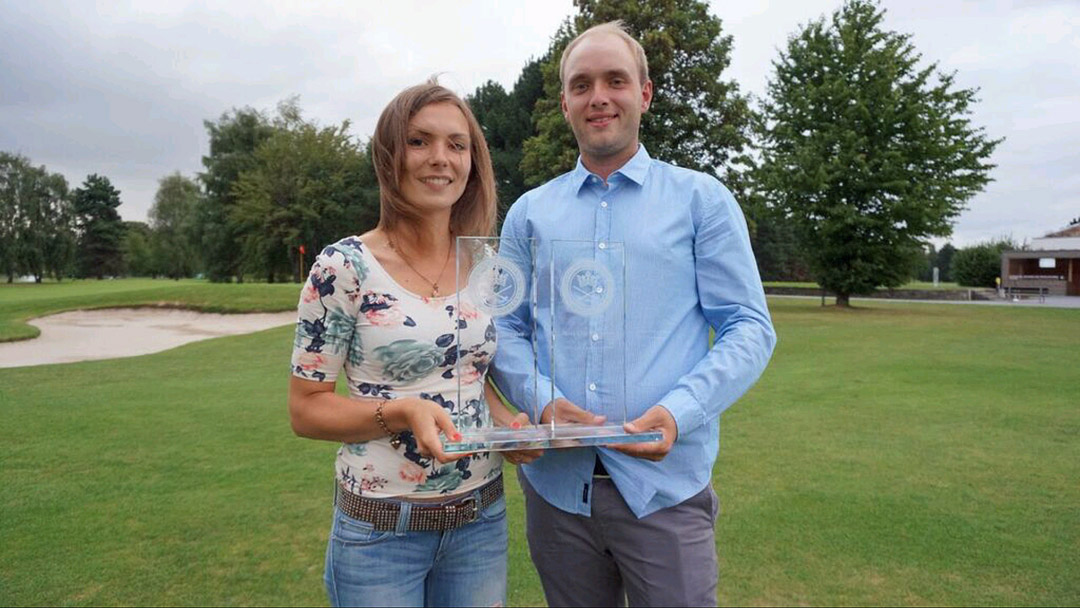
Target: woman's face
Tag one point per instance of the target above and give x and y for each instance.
(437, 157)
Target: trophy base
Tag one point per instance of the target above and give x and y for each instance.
(545, 437)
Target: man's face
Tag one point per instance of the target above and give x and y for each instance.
(603, 98)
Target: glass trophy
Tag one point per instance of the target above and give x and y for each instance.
(578, 287)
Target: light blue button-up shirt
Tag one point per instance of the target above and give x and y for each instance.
(688, 267)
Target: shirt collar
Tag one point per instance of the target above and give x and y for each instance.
(635, 169)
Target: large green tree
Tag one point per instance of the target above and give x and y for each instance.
(101, 231)
(506, 119)
(172, 219)
(234, 137)
(868, 152)
(309, 186)
(11, 167)
(697, 120)
(36, 220)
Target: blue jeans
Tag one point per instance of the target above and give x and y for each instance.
(465, 566)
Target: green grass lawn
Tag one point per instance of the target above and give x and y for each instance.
(911, 285)
(20, 302)
(902, 454)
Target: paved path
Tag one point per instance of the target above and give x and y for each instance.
(1051, 301)
(84, 335)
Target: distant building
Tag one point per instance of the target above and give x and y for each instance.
(1051, 262)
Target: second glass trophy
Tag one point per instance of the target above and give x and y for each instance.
(576, 288)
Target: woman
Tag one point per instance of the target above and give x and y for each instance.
(412, 524)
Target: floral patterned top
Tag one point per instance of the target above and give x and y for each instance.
(393, 343)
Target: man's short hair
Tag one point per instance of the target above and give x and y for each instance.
(615, 28)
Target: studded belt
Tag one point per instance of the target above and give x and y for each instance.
(383, 514)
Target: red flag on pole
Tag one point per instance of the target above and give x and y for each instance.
(301, 275)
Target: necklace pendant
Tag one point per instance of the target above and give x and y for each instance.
(435, 291)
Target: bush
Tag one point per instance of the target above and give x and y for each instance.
(980, 265)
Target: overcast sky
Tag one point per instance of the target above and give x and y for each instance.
(122, 89)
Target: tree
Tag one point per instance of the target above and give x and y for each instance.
(172, 219)
(944, 262)
(11, 167)
(927, 264)
(506, 119)
(310, 186)
(869, 154)
(697, 119)
(138, 253)
(101, 231)
(234, 137)
(36, 229)
(980, 265)
(61, 240)
(774, 238)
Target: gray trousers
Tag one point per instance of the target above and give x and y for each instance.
(665, 559)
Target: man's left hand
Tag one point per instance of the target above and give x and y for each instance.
(657, 418)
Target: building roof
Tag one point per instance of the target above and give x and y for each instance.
(1044, 253)
(1073, 230)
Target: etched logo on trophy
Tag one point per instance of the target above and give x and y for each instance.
(496, 286)
(587, 288)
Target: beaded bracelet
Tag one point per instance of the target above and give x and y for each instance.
(395, 438)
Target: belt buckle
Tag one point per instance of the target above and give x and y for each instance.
(474, 504)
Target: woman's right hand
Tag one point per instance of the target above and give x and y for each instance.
(425, 419)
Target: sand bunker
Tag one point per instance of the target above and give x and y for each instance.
(84, 335)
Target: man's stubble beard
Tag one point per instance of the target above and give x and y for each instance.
(611, 149)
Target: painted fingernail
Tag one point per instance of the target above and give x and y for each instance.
(515, 425)
(457, 436)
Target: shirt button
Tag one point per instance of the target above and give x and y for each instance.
(595, 337)
(592, 386)
(599, 290)
(603, 204)
(602, 245)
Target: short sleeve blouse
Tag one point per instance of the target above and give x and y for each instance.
(392, 343)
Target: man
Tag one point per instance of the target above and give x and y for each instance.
(634, 520)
